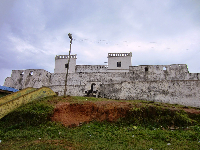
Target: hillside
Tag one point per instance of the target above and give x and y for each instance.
(90, 123)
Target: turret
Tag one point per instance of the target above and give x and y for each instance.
(61, 63)
(119, 62)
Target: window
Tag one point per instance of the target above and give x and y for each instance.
(119, 64)
(66, 65)
(31, 73)
(146, 68)
(164, 68)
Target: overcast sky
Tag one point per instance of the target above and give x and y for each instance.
(157, 32)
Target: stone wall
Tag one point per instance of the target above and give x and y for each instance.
(161, 72)
(21, 79)
(174, 92)
(91, 68)
(164, 83)
(84, 80)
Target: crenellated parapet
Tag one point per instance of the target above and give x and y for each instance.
(119, 54)
(91, 68)
(65, 56)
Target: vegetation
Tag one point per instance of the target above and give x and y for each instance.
(148, 126)
(3, 94)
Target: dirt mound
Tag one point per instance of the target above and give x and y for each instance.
(76, 114)
(192, 111)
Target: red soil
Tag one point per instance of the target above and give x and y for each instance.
(76, 114)
(192, 111)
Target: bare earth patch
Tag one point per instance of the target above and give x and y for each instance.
(76, 114)
(72, 115)
(192, 111)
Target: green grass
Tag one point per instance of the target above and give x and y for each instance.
(29, 127)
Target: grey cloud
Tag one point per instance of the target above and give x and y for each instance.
(33, 32)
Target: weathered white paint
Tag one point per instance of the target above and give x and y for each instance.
(123, 58)
(61, 60)
(173, 92)
(164, 83)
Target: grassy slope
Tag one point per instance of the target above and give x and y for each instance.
(29, 127)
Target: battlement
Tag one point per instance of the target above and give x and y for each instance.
(65, 56)
(91, 68)
(119, 54)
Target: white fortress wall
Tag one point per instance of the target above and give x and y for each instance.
(117, 80)
(161, 72)
(39, 77)
(86, 79)
(173, 92)
(21, 79)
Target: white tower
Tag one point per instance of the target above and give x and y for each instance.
(61, 63)
(119, 62)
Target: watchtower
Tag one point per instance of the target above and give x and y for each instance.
(119, 62)
(61, 63)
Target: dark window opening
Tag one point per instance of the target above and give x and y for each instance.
(146, 68)
(66, 65)
(118, 64)
(31, 73)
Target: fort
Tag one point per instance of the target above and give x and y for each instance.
(117, 80)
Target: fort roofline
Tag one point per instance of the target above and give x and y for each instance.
(119, 54)
(65, 56)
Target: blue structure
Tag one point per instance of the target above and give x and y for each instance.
(9, 89)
